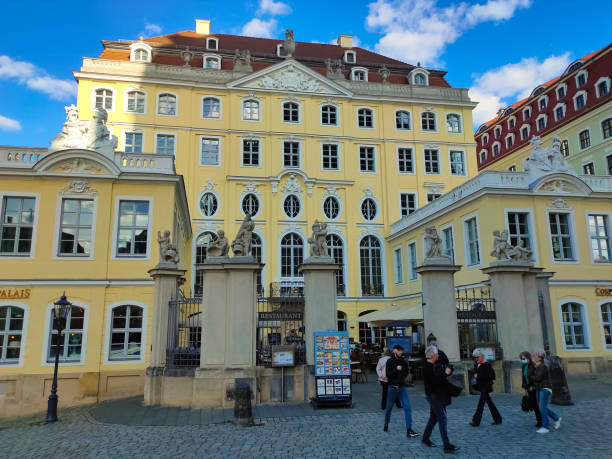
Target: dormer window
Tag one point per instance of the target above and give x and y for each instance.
(212, 44)
(140, 52)
(359, 74)
(350, 57)
(211, 62)
(420, 79)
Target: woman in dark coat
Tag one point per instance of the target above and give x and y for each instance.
(528, 384)
(484, 375)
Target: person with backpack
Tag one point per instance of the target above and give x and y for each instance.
(543, 386)
(484, 376)
(381, 371)
(527, 370)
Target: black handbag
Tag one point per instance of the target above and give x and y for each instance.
(527, 404)
(452, 389)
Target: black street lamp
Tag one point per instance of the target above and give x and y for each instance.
(61, 308)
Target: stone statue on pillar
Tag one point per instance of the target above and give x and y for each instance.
(501, 246)
(289, 43)
(242, 244)
(168, 252)
(434, 252)
(318, 240)
(519, 253)
(219, 247)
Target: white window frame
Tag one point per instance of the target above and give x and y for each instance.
(297, 231)
(575, 98)
(580, 143)
(559, 105)
(373, 198)
(450, 162)
(216, 40)
(485, 140)
(161, 93)
(173, 134)
(47, 336)
(439, 161)
(359, 69)
(259, 203)
(118, 199)
(260, 159)
(125, 100)
(397, 153)
(586, 77)
(601, 324)
(299, 214)
(141, 46)
(412, 274)
(337, 198)
(19, 194)
(608, 216)
(601, 131)
(211, 96)
(398, 266)
(58, 224)
(585, 325)
(346, 54)
(446, 115)
(200, 138)
(533, 240)
(416, 201)
(212, 56)
(410, 121)
(572, 233)
(364, 107)
(24, 333)
(601, 80)
(466, 246)
(452, 228)
(93, 98)
(338, 149)
(497, 131)
(143, 336)
(246, 99)
(125, 132)
(299, 153)
(523, 126)
(359, 146)
(383, 261)
(216, 195)
(542, 116)
(493, 154)
(509, 136)
(299, 109)
(564, 86)
(545, 99)
(483, 156)
(419, 71)
(512, 118)
(435, 129)
(331, 104)
(526, 113)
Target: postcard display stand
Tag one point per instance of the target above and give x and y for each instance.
(332, 368)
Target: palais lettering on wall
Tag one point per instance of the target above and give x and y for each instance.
(14, 294)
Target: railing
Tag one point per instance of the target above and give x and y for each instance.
(287, 290)
(145, 162)
(279, 323)
(477, 321)
(373, 290)
(184, 333)
(22, 157)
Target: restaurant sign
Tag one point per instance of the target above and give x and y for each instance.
(14, 293)
(281, 315)
(603, 291)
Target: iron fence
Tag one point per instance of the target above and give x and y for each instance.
(477, 321)
(373, 290)
(184, 333)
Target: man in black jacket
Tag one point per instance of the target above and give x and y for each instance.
(397, 370)
(484, 375)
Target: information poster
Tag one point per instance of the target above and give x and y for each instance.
(332, 366)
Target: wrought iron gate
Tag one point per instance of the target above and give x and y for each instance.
(477, 321)
(184, 333)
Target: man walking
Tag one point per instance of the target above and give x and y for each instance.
(396, 371)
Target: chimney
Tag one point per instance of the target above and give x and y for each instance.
(345, 41)
(202, 26)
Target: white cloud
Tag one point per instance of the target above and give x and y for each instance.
(273, 8)
(259, 28)
(37, 79)
(9, 124)
(502, 86)
(152, 29)
(419, 30)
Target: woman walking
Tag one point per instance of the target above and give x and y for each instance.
(484, 375)
(542, 383)
(527, 371)
(381, 371)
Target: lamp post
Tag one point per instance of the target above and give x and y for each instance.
(60, 311)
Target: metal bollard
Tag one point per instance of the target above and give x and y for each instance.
(243, 413)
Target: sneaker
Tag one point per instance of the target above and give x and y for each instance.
(411, 433)
(473, 424)
(429, 443)
(538, 425)
(386, 428)
(558, 423)
(449, 449)
(542, 430)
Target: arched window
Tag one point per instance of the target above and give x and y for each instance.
(70, 343)
(104, 99)
(291, 206)
(420, 79)
(453, 123)
(141, 55)
(126, 333)
(606, 322)
(368, 209)
(250, 110)
(336, 251)
(370, 257)
(212, 62)
(574, 327)
(342, 323)
(428, 121)
(369, 334)
(365, 118)
(166, 104)
(291, 112)
(209, 204)
(135, 102)
(359, 74)
(329, 115)
(331, 207)
(211, 108)
(402, 120)
(250, 204)
(11, 332)
(256, 252)
(292, 254)
(202, 243)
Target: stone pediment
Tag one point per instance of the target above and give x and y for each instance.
(290, 76)
(560, 183)
(77, 163)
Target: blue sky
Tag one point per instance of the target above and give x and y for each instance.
(500, 49)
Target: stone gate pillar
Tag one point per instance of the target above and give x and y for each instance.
(439, 304)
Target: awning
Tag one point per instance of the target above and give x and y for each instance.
(383, 317)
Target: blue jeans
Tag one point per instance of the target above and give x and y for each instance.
(543, 397)
(437, 413)
(393, 393)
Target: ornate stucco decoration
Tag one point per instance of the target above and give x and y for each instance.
(85, 135)
(292, 186)
(560, 203)
(384, 73)
(80, 166)
(187, 56)
(250, 188)
(210, 185)
(543, 161)
(290, 79)
(332, 190)
(367, 192)
(79, 187)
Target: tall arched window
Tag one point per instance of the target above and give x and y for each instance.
(370, 257)
(573, 322)
(256, 252)
(606, 322)
(292, 254)
(202, 243)
(70, 343)
(342, 323)
(125, 333)
(336, 251)
(11, 331)
(166, 104)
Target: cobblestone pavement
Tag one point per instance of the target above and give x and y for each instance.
(295, 431)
